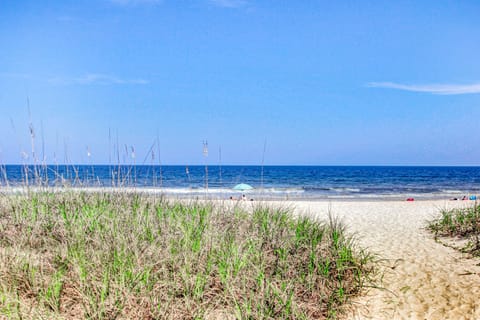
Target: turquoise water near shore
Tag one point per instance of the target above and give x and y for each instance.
(302, 182)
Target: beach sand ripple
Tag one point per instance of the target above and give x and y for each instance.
(421, 278)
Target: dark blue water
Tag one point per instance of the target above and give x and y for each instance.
(303, 182)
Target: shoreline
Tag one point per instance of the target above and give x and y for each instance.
(225, 194)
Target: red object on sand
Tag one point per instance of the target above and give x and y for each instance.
(410, 199)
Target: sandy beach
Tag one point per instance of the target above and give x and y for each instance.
(421, 279)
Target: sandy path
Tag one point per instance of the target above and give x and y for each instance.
(423, 279)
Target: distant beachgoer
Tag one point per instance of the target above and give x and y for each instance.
(410, 199)
(244, 198)
(464, 198)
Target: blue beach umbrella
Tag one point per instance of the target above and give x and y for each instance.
(242, 187)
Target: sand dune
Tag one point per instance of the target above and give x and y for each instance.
(422, 279)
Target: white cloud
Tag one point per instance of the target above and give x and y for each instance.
(229, 3)
(443, 89)
(97, 78)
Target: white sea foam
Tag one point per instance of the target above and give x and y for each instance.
(224, 193)
(346, 189)
(452, 191)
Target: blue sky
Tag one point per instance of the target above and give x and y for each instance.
(322, 82)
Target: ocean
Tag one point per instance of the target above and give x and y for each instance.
(269, 182)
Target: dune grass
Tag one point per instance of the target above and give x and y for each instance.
(77, 255)
(460, 223)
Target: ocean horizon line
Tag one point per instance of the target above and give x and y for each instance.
(248, 165)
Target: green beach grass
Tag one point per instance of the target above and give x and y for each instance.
(462, 224)
(78, 255)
